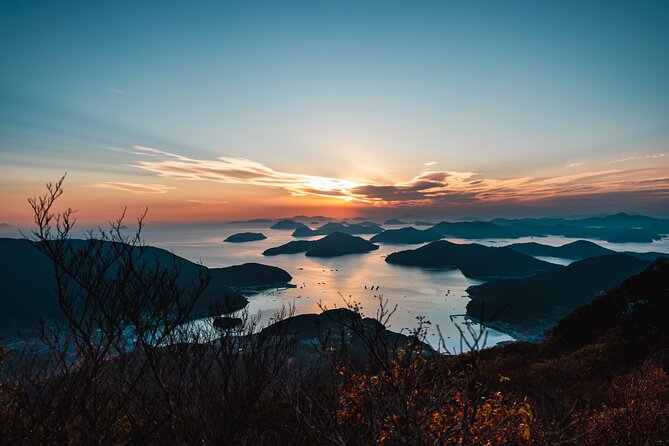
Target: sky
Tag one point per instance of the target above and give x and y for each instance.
(209, 111)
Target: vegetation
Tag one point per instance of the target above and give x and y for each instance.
(128, 367)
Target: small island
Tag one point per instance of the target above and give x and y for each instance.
(344, 228)
(288, 225)
(242, 237)
(332, 245)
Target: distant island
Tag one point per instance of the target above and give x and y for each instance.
(394, 221)
(473, 260)
(407, 236)
(344, 228)
(619, 228)
(242, 237)
(578, 250)
(536, 303)
(288, 225)
(255, 221)
(332, 245)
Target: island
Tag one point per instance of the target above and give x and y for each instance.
(344, 228)
(242, 237)
(530, 228)
(532, 305)
(288, 225)
(473, 260)
(408, 236)
(332, 245)
(578, 250)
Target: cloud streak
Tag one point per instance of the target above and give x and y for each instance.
(135, 188)
(429, 188)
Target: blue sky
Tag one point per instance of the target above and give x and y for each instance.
(358, 95)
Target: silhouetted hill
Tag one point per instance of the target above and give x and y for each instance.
(288, 225)
(482, 230)
(332, 245)
(28, 283)
(540, 301)
(473, 260)
(407, 236)
(394, 221)
(423, 223)
(344, 228)
(577, 250)
(245, 237)
(637, 311)
(580, 249)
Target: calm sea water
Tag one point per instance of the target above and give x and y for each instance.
(438, 294)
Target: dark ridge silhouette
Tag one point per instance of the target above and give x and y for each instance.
(5, 225)
(344, 228)
(407, 236)
(245, 237)
(637, 311)
(542, 300)
(620, 220)
(473, 260)
(28, 282)
(484, 229)
(578, 250)
(332, 245)
(394, 221)
(288, 225)
(423, 223)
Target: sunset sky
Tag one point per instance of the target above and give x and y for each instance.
(230, 110)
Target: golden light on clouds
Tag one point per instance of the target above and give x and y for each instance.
(428, 188)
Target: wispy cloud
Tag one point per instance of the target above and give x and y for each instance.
(431, 187)
(430, 163)
(135, 188)
(240, 171)
(640, 157)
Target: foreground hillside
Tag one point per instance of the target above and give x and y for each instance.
(339, 378)
(601, 376)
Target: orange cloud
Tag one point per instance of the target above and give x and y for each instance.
(431, 187)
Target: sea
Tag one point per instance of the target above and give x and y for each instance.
(435, 296)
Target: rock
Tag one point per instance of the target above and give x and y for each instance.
(227, 323)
